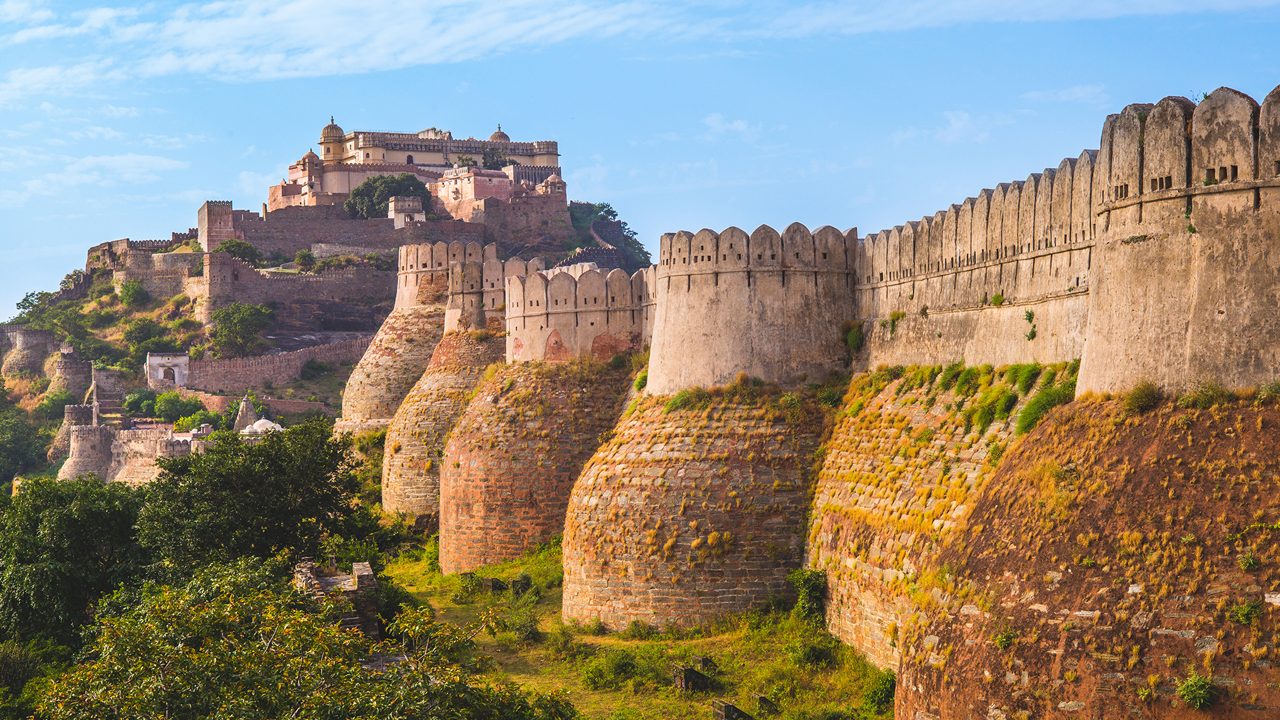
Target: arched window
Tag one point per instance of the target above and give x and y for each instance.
(409, 159)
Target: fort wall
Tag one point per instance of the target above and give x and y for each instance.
(414, 448)
(235, 375)
(557, 316)
(26, 350)
(773, 306)
(512, 458)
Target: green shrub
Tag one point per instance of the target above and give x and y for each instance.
(1196, 691)
(1005, 639)
(1245, 613)
(641, 381)
(638, 630)
(1204, 396)
(1248, 561)
(1024, 376)
(997, 299)
(878, 698)
(855, 338)
(814, 652)
(241, 250)
(1143, 398)
(51, 405)
(609, 670)
(313, 369)
(172, 405)
(947, 379)
(187, 423)
(1042, 402)
(132, 294)
(811, 593)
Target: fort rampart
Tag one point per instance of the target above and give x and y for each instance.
(592, 313)
(772, 306)
(235, 375)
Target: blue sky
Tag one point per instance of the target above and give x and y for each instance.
(118, 121)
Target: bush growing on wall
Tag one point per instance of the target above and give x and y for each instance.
(132, 293)
(370, 198)
(237, 329)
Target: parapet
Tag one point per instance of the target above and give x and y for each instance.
(578, 312)
(422, 276)
(773, 306)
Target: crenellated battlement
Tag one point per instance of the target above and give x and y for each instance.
(578, 311)
(774, 306)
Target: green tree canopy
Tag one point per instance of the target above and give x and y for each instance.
(64, 543)
(370, 198)
(283, 493)
(20, 444)
(234, 642)
(171, 405)
(241, 250)
(237, 329)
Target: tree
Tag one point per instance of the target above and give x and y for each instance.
(495, 159)
(52, 404)
(282, 493)
(132, 294)
(241, 250)
(371, 198)
(20, 445)
(64, 543)
(237, 329)
(235, 642)
(187, 423)
(305, 260)
(169, 406)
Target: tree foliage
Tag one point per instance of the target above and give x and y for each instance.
(171, 405)
(64, 543)
(20, 444)
(241, 250)
(370, 198)
(234, 642)
(237, 329)
(584, 216)
(283, 493)
(132, 294)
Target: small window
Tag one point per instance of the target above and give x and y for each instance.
(1155, 184)
(1278, 168)
(1235, 173)
(409, 159)
(1222, 173)
(1210, 176)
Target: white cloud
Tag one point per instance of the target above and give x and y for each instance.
(1086, 94)
(91, 170)
(719, 126)
(961, 127)
(244, 40)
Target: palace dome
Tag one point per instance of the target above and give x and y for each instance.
(331, 132)
(499, 136)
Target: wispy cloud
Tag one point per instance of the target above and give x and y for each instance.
(244, 40)
(89, 170)
(1084, 94)
(957, 126)
(720, 126)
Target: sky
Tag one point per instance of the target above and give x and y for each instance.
(120, 120)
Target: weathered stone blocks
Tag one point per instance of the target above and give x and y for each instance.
(685, 516)
(416, 437)
(396, 358)
(513, 457)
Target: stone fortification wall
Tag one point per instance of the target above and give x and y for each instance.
(558, 315)
(958, 285)
(227, 280)
(1185, 284)
(908, 455)
(287, 230)
(685, 515)
(25, 350)
(235, 375)
(116, 455)
(773, 306)
(402, 348)
(512, 458)
(414, 448)
(162, 275)
(70, 373)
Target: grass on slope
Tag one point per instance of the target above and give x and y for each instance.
(629, 675)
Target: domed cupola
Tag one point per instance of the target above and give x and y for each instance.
(331, 132)
(499, 136)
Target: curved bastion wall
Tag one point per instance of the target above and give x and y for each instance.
(685, 515)
(773, 306)
(512, 458)
(402, 347)
(414, 448)
(26, 350)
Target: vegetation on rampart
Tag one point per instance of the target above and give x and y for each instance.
(371, 198)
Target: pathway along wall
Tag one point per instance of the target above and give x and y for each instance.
(513, 457)
(687, 515)
(416, 436)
